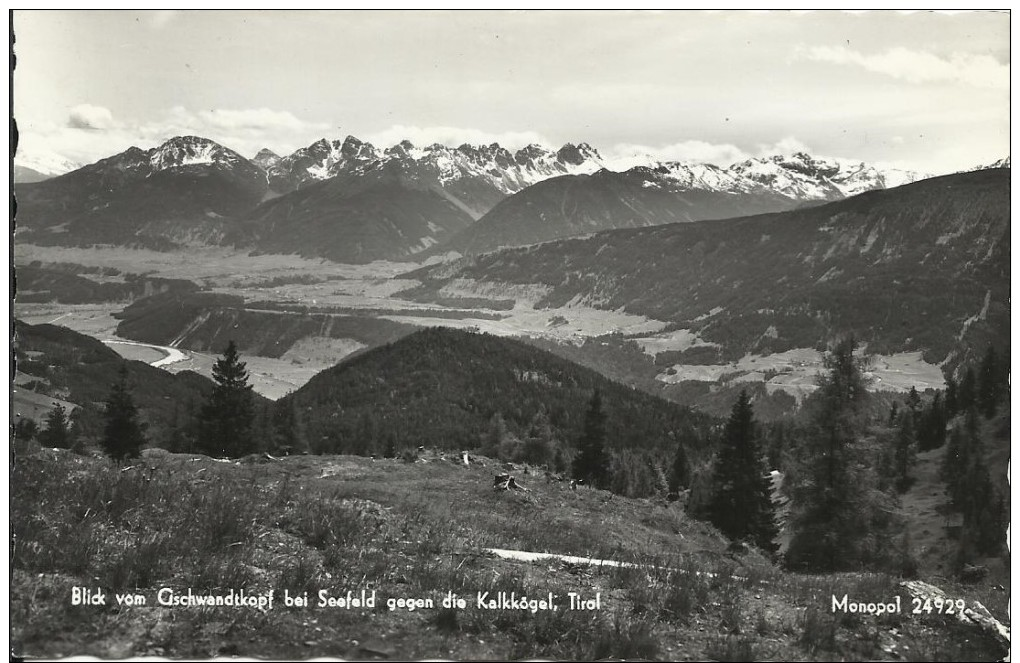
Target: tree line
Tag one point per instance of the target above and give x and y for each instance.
(843, 467)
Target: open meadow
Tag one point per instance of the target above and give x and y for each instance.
(416, 529)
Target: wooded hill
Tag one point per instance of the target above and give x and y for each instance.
(442, 388)
(63, 364)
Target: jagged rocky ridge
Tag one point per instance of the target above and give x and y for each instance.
(350, 201)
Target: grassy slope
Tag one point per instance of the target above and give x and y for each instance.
(414, 530)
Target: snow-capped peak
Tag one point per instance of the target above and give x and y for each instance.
(1001, 163)
(805, 177)
(46, 163)
(189, 151)
(266, 158)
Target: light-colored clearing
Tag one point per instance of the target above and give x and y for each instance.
(581, 322)
(92, 319)
(213, 265)
(321, 350)
(794, 371)
(678, 340)
(273, 378)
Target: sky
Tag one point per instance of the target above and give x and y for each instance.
(924, 91)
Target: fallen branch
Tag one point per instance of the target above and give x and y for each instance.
(506, 482)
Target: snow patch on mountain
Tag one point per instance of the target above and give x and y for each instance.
(1001, 163)
(46, 163)
(190, 151)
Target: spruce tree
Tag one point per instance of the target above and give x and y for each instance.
(57, 433)
(905, 452)
(680, 474)
(967, 395)
(225, 427)
(741, 505)
(988, 391)
(952, 397)
(834, 523)
(592, 463)
(123, 436)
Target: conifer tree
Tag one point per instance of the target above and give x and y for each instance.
(952, 397)
(967, 394)
(988, 391)
(57, 433)
(539, 445)
(836, 521)
(123, 436)
(931, 429)
(680, 475)
(225, 427)
(741, 505)
(905, 452)
(914, 402)
(592, 463)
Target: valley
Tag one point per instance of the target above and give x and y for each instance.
(292, 287)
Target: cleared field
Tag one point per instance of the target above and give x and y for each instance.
(26, 404)
(794, 371)
(678, 340)
(93, 319)
(215, 266)
(320, 350)
(273, 378)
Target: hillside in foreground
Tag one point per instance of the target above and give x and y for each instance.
(416, 531)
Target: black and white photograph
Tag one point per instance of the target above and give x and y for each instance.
(510, 334)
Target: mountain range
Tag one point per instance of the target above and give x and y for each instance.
(350, 201)
(921, 267)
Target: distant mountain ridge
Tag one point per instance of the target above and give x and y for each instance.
(919, 267)
(178, 193)
(350, 201)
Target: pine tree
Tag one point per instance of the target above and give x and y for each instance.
(592, 463)
(123, 436)
(25, 429)
(225, 427)
(952, 397)
(741, 505)
(931, 430)
(988, 391)
(835, 521)
(967, 394)
(680, 475)
(914, 402)
(57, 433)
(539, 445)
(905, 452)
(494, 436)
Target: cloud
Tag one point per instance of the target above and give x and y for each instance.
(91, 132)
(253, 119)
(628, 155)
(787, 145)
(453, 136)
(87, 116)
(918, 66)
